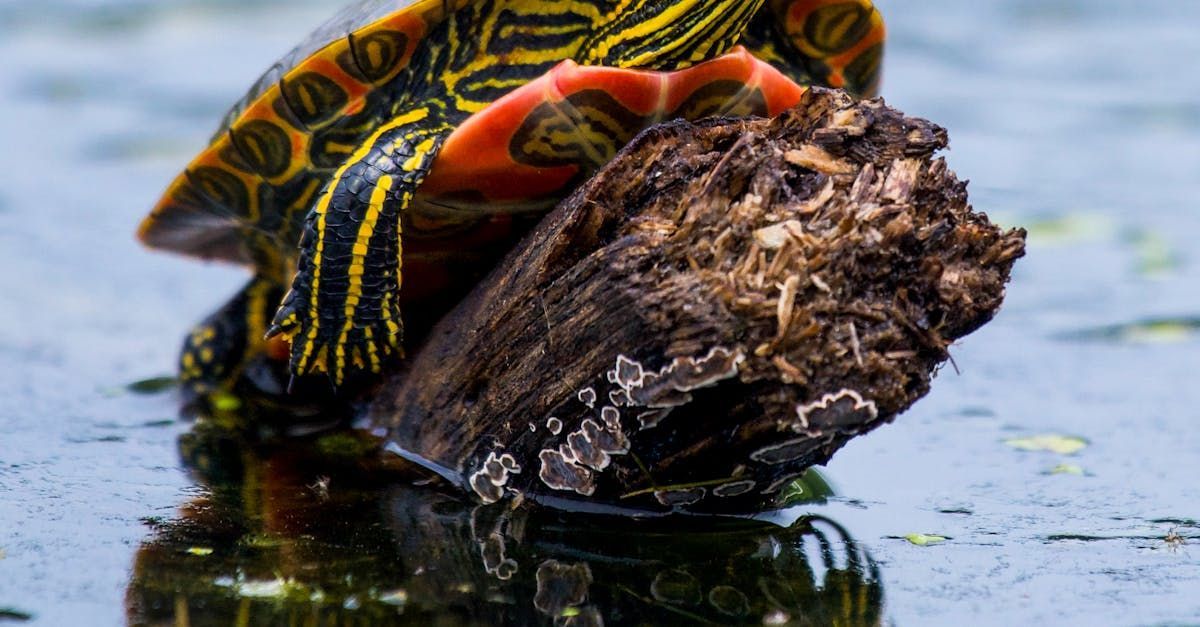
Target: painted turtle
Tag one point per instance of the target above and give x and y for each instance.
(408, 133)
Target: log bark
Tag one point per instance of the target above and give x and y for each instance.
(724, 305)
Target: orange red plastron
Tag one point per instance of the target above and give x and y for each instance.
(508, 153)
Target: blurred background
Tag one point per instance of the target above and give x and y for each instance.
(1057, 460)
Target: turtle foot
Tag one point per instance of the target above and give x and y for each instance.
(332, 344)
(215, 353)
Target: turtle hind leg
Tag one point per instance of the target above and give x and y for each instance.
(342, 313)
(831, 43)
(216, 352)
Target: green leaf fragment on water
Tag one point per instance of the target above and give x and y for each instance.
(199, 551)
(1067, 469)
(225, 402)
(1158, 332)
(1154, 253)
(1061, 444)
(1152, 331)
(1071, 229)
(923, 539)
(153, 385)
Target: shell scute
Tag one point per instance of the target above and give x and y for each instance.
(298, 121)
(377, 53)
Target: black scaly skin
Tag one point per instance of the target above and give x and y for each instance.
(341, 314)
(217, 349)
(397, 162)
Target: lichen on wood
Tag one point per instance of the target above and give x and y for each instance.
(724, 305)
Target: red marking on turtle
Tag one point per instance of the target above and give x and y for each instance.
(476, 160)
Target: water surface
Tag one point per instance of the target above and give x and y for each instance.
(1079, 119)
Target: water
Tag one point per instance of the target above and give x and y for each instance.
(1078, 119)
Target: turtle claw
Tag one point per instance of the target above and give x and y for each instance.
(286, 320)
(306, 347)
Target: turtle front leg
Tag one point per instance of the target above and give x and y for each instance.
(342, 313)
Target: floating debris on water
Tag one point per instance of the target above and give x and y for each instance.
(1067, 469)
(200, 551)
(1149, 331)
(977, 412)
(924, 539)
(96, 440)
(1177, 522)
(1054, 443)
(1074, 228)
(1154, 256)
(8, 613)
(141, 387)
(153, 385)
(1174, 540)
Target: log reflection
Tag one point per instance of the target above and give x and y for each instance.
(314, 533)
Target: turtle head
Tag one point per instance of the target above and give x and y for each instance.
(668, 34)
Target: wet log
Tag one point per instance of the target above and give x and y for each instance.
(724, 305)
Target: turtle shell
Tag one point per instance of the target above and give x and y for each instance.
(243, 198)
(278, 145)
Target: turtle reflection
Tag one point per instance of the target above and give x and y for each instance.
(302, 535)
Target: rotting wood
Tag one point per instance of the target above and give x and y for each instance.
(724, 305)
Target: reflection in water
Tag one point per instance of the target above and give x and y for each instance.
(301, 535)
